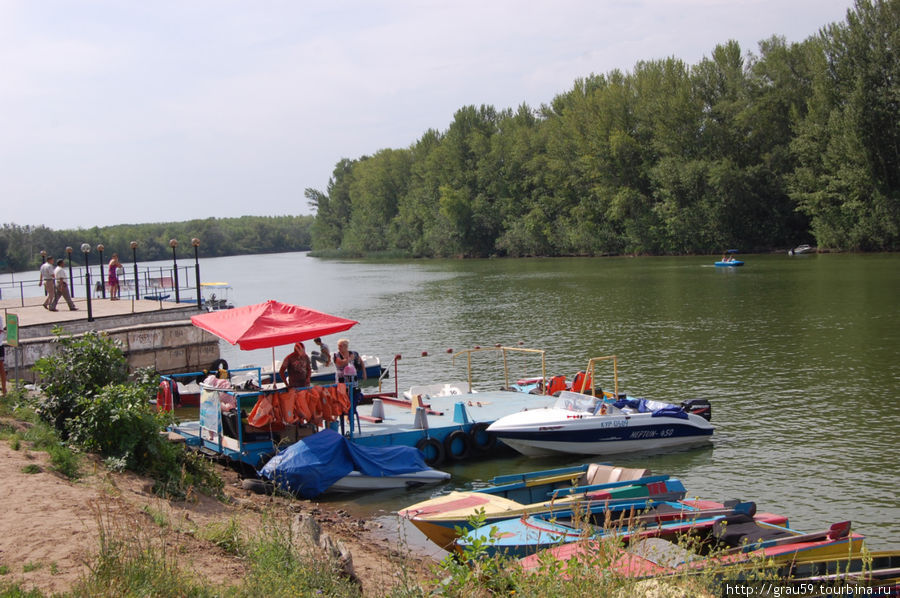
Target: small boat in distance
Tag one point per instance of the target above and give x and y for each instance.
(216, 296)
(728, 260)
(801, 249)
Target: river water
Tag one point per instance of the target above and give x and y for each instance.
(800, 357)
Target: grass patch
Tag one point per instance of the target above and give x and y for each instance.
(159, 518)
(226, 536)
(15, 591)
(32, 468)
(133, 560)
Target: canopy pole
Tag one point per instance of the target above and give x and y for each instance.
(273, 368)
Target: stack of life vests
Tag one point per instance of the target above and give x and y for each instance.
(315, 405)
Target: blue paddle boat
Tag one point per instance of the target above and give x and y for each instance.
(728, 260)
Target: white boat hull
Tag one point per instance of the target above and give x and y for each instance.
(540, 432)
(536, 448)
(357, 482)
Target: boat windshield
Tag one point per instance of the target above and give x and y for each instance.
(573, 401)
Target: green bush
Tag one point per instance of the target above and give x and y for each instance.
(79, 368)
(117, 422)
(89, 402)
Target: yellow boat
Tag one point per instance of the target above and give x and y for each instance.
(586, 487)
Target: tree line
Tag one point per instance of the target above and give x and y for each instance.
(798, 143)
(21, 246)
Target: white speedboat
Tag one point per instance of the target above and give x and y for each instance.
(585, 425)
(801, 249)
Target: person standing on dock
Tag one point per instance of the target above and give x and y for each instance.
(113, 277)
(48, 282)
(295, 369)
(62, 286)
(343, 358)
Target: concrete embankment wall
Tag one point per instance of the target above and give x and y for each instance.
(161, 338)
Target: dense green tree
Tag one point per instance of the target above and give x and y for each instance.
(22, 245)
(798, 142)
(848, 147)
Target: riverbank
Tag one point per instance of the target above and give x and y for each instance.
(50, 527)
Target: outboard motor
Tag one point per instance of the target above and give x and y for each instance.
(699, 407)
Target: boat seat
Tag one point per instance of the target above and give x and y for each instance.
(605, 474)
(735, 530)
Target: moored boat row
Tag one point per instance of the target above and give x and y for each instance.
(643, 536)
(550, 510)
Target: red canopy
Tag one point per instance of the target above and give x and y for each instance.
(269, 324)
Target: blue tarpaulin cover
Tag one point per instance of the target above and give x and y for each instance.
(311, 465)
(656, 408)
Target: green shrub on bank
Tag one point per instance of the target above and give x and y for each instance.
(90, 403)
(115, 422)
(79, 368)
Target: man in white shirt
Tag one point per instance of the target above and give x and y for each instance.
(48, 281)
(62, 286)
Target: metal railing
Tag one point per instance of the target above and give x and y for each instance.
(152, 282)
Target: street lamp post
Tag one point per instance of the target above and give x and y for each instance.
(173, 244)
(100, 249)
(196, 243)
(71, 286)
(86, 250)
(137, 291)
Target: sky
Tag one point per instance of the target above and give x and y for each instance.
(129, 111)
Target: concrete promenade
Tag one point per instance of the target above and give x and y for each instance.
(156, 334)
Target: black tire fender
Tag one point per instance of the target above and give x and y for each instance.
(459, 440)
(482, 440)
(432, 449)
(257, 486)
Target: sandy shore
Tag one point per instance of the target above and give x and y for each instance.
(49, 526)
